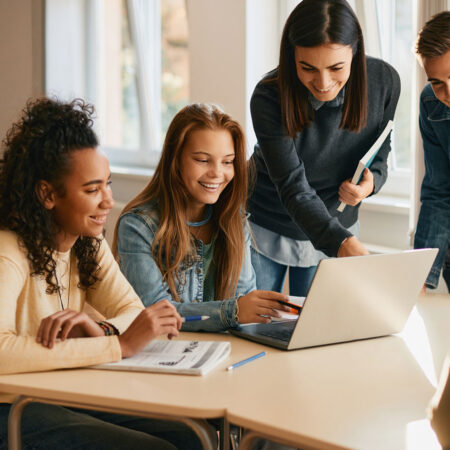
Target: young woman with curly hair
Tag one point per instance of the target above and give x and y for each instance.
(55, 196)
(184, 237)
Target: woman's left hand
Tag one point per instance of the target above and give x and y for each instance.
(352, 194)
(67, 324)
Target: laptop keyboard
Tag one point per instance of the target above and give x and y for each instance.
(280, 330)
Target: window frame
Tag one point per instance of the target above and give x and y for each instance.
(399, 181)
(146, 37)
(87, 41)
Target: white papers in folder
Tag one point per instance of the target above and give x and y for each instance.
(286, 316)
(368, 158)
(181, 357)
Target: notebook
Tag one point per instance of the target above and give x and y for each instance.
(352, 298)
(173, 356)
(367, 159)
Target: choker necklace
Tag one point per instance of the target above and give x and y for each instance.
(68, 289)
(209, 213)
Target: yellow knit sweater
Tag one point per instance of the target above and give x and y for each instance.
(24, 303)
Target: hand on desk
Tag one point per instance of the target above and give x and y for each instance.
(351, 194)
(66, 324)
(156, 320)
(260, 306)
(352, 247)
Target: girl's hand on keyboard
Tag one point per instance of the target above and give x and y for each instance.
(260, 306)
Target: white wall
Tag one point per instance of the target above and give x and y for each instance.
(217, 54)
(65, 61)
(232, 45)
(21, 56)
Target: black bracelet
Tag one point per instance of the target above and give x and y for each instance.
(108, 329)
(115, 331)
(105, 328)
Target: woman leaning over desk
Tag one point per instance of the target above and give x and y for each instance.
(315, 116)
(54, 199)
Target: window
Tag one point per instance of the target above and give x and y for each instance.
(130, 59)
(391, 37)
(395, 40)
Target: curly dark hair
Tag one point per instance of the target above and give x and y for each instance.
(38, 147)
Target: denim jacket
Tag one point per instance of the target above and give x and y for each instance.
(136, 232)
(433, 226)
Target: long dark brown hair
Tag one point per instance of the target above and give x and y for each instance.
(173, 242)
(39, 147)
(313, 23)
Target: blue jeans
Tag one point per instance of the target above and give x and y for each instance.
(55, 427)
(270, 275)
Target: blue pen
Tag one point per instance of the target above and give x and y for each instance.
(245, 361)
(192, 318)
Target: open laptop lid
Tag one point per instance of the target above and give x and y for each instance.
(356, 298)
(361, 297)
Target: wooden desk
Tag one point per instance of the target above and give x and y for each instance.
(188, 399)
(367, 394)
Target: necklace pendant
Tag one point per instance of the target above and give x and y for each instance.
(59, 286)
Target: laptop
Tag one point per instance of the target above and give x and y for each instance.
(350, 299)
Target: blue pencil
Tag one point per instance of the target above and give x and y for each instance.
(192, 318)
(245, 361)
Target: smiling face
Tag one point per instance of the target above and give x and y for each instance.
(87, 199)
(438, 73)
(206, 168)
(324, 69)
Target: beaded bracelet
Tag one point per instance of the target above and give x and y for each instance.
(105, 327)
(116, 332)
(112, 329)
(108, 328)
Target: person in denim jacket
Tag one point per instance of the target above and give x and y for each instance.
(433, 226)
(185, 236)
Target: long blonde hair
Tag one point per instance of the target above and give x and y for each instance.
(173, 241)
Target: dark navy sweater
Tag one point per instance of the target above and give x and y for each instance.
(296, 190)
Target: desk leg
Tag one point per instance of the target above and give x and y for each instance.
(224, 443)
(248, 440)
(200, 427)
(14, 419)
